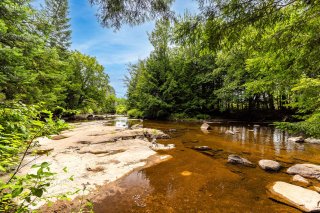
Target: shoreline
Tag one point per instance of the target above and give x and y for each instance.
(92, 155)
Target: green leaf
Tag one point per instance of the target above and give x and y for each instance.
(16, 192)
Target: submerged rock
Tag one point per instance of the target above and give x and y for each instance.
(202, 148)
(312, 140)
(296, 139)
(296, 196)
(301, 181)
(205, 126)
(269, 165)
(305, 170)
(235, 159)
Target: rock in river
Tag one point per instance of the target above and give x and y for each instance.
(229, 132)
(301, 181)
(201, 148)
(235, 159)
(305, 170)
(312, 140)
(269, 165)
(205, 126)
(296, 196)
(296, 139)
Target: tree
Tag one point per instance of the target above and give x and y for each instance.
(88, 87)
(57, 12)
(115, 13)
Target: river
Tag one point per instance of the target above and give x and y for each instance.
(204, 182)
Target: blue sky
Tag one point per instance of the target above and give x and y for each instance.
(114, 50)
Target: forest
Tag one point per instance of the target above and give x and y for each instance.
(238, 59)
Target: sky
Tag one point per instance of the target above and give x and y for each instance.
(114, 50)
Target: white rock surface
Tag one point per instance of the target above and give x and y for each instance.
(300, 180)
(296, 196)
(312, 140)
(269, 165)
(296, 139)
(205, 126)
(305, 170)
(92, 153)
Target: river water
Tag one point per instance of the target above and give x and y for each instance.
(204, 182)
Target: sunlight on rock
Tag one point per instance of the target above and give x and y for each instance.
(186, 173)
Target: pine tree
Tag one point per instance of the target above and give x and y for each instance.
(57, 11)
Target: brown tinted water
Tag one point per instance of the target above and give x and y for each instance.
(197, 182)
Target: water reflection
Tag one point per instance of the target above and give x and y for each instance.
(259, 135)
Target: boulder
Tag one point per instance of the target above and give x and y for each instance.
(312, 140)
(301, 181)
(205, 126)
(269, 165)
(296, 139)
(229, 132)
(296, 196)
(305, 170)
(235, 159)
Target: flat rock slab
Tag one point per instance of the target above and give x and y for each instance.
(305, 170)
(296, 196)
(269, 165)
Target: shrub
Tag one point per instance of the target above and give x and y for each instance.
(135, 113)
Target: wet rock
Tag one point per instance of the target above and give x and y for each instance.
(90, 117)
(301, 181)
(201, 148)
(305, 170)
(98, 117)
(269, 165)
(157, 134)
(235, 159)
(312, 140)
(229, 132)
(316, 188)
(137, 126)
(205, 126)
(296, 139)
(79, 117)
(296, 196)
(158, 146)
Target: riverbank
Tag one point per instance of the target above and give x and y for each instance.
(92, 154)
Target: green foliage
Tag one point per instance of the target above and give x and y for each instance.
(59, 34)
(115, 13)
(27, 190)
(230, 59)
(89, 89)
(135, 113)
(19, 125)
